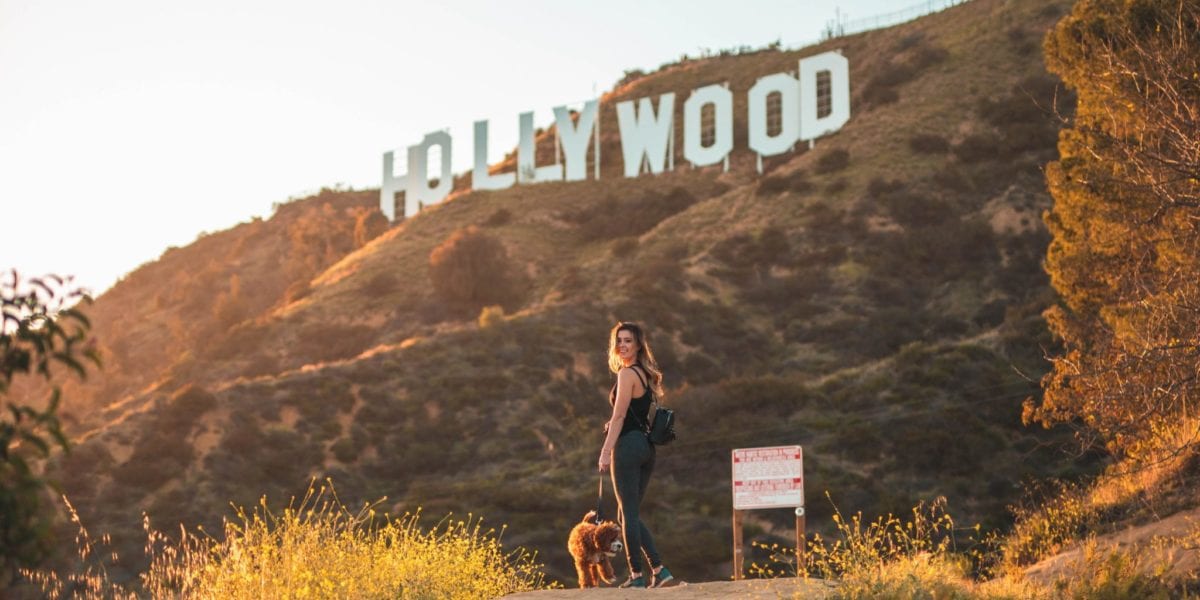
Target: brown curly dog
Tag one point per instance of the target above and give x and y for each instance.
(593, 547)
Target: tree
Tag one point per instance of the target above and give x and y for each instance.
(471, 269)
(1125, 253)
(41, 328)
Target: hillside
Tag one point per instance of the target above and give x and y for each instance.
(876, 298)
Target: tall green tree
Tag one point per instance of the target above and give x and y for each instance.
(42, 331)
(1125, 253)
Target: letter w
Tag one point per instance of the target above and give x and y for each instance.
(646, 134)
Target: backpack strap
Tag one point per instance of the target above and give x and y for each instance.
(653, 399)
(645, 386)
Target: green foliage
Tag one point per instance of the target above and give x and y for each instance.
(833, 161)
(928, 143)
(749, 257)
(325, 341)
(1125, 253)
(915, 55)
(42, 327)
(796, 181)
(382, 285)
(613, 218)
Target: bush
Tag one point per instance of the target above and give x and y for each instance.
(471, 269)
(911, 210)
(187, 405)
(325, 341)
(491, 316)
(879, 187)
(382, 284)
(158, 456)
(977, 148)
(833, 161)
(795, 181)
(878, 95)
(298, 290)
(624, 247)
(318, 548)
(929, 55)
(612, 218)
(929, 143)
(502, 216)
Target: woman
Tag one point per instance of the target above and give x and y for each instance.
(628, 451)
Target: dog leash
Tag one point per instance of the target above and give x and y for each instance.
(599, 498)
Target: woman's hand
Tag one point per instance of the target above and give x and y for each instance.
(605, 460)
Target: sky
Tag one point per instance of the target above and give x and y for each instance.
(130, 126)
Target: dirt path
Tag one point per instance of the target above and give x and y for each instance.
(751, 588)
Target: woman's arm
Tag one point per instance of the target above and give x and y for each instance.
(620, 407)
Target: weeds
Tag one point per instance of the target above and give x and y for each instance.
(917, 558)
(314, 549)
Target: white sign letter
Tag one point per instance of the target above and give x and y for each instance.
(418, 192)
(480, 179)
(789, 118)
(391, 185)
(645, 134)
(527, 169)
(575, 138)
(722, 100)
(811, 125)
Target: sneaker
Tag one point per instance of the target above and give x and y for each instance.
(663, 578)
(634, 582)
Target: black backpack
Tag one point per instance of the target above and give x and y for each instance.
(661, 431)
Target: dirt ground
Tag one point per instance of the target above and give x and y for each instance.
(751, 588)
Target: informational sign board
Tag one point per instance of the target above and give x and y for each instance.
(768, 478)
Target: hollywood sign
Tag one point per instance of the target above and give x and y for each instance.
(647, 135)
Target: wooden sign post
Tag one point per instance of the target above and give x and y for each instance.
(767, 478)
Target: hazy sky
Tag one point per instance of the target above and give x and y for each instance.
(130, 126)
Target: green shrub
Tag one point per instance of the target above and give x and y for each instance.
(612, 218)
(185, 406)
(624, 247)
(929, 143)
(796, 181)
(978, 147)
(158, 456)
(833, 161)
(326, 341)
(875, 94)
(470, 270)
(382, 285)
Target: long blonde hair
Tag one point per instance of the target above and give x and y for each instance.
(645, 356)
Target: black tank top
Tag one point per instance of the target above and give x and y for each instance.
(639, 408)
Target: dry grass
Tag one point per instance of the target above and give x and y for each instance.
(314, 549)
(916, 558)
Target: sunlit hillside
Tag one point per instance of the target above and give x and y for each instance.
(875, 298)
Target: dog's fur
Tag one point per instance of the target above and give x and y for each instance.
(593, 546)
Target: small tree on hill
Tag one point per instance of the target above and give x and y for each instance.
(1125, 254)
(471, 270)
(40, 328)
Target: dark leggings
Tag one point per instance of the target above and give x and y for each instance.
(633, 462)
